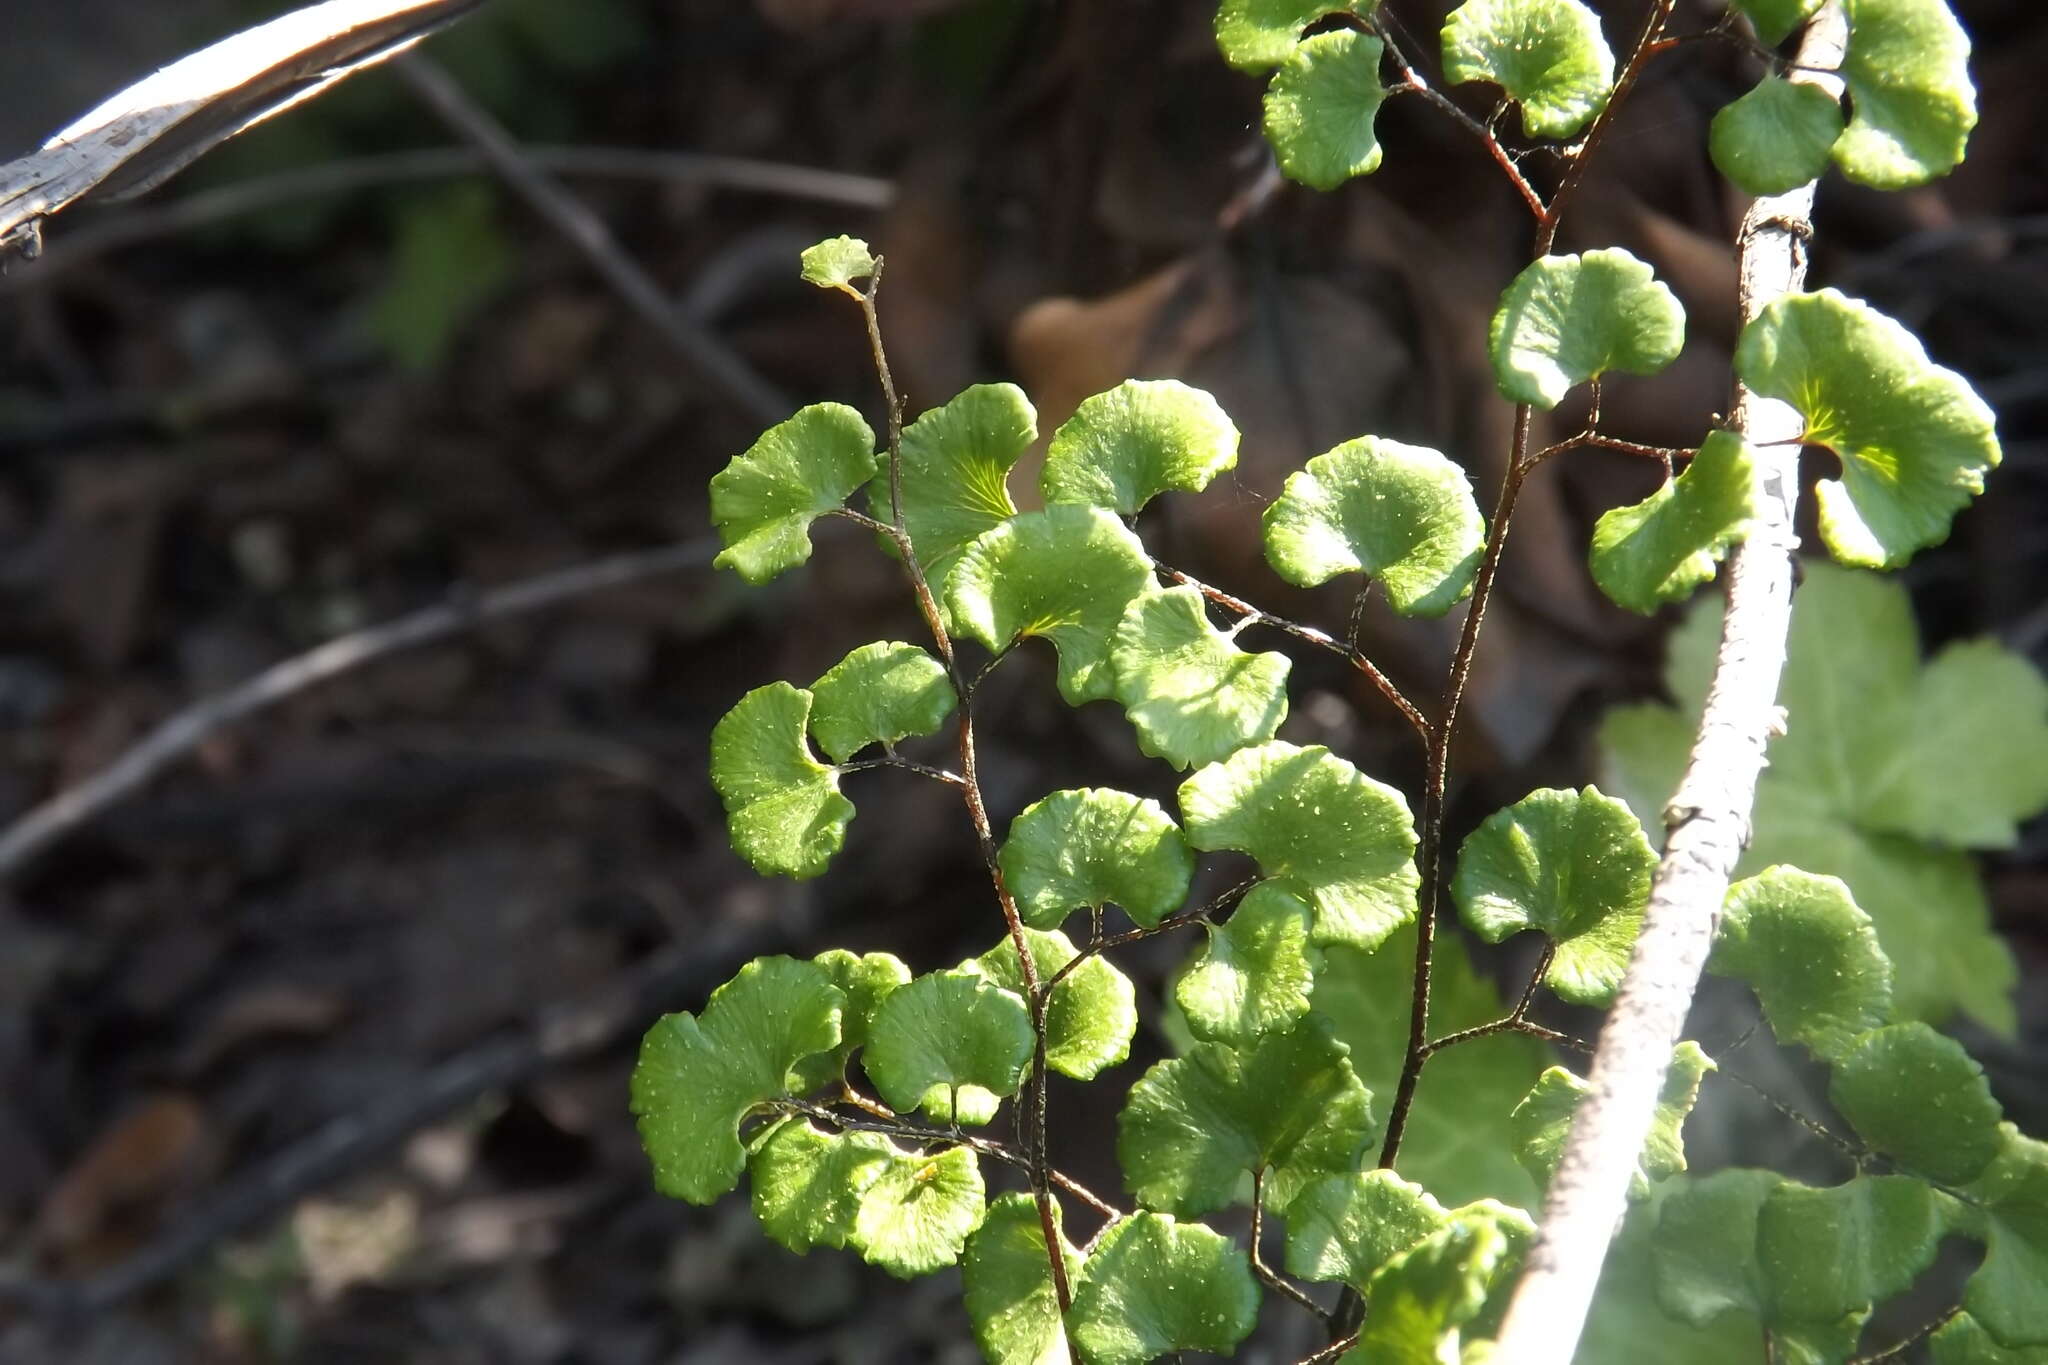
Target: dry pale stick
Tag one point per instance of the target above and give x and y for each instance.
(1706, 822)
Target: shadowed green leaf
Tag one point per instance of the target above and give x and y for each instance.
(1325, 831)
(1192, 694)
(1286, 1104)
(806, 1184)
(1255, 35)
(1777, 137)
(1009, 1289)
(1123, 448)
(950, 1043)
(1830, 1253)
(1153, 1285)
(783, 807)
(1543, 1120)
(1963, 1341)
(1575, 866)
(1810, 955)
(879, 694)
(1919, 1098)
(764, 502)
(1094, 847)
(698, 1076)
(1400, 513)
(1569, 319)
(916, 1214)
(1548, 55)
(1775, 19)
(956, 469)
(1254, 975)
(865, 980)
(1914, 439)
(836, 263)
(1911, 102)
(2004, 1295)
(1322, 106)
(1065, 574)
(1092, 1015)
(1704, 1248)
(1657, 551)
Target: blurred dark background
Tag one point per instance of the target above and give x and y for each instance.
(382, 902)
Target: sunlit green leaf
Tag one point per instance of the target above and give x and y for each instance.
(1093, 1014)
(1918, 1097)
(1400, 513)
(1548, 55)
(1775, 19)
(1192, 694)
(1254, 975)
(1008, 1282)
(956, 469)
(1569, 319)
(1574, 865)
(1543, 1120)
(1322, 106)
(1657, 551)
(1963, 1341)
(1094, 847)
(1777, 137)
(865, 980)
(765, 500)
(1914, 439)
(837, 262)
(2004, 1295)
(698, 1076)
(1422, 1298)
(1810, 955)
(1345, 1227)
(1286, 1104)
(1153, 1285)
(783, 807)
(915, 1216)
(1257, 34)
(1123, 448)
(1911, 102)
(1065, 574)
(950, 1043)
(1829, 1253)
(1327, 832)
(879, 694)
(806, 1184)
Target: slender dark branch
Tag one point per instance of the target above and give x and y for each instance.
(1412, 79)
(1102, 943)
(921, 769)
(1287, 1289)
(1515, 1021)
(1321, 639)
(1912, 1339)
(1854, 1151)
(1536, 975)
(1334, 1351)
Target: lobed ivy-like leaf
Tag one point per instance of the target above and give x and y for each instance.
(1626, 1312)
(1007, 1279)
(1543, 1120)
(1325, 831)
(1255, 974)
(2004, 1295)
(1574, 865)
(1093, 847)
(1423, 1298)
(1256, 35)
(764, 502)
(699, 1075)
(1880, 783)
(1286, 1105)
(1704, 1249)
(1323, 106)
(807, 1184)
(1192, 694)
(1065, 574)
(1811, 956)
(1911, 102)
(1153, 1285)
(1658, 551)
(1918, 1097)
(1962, 1340)
(1345, 1227)
(865, 980)
(1777, 137)
(1914, 439)
(1459, 1143)
(956, 470)
(783, 807)
(917, 1214)
(1831, 1253)
(950, 1043)
(1093, 1014)
(1548, 55)
(1775, 19)
(836, 263)
(1569, 319)
(1400, 513)
(1142, 438)
(878, 694)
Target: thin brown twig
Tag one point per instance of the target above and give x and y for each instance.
(68, 811)
(1413, 80)
(1334, 1351)
(1101, 943)
(1909, 1341)
(1267, 1276)
(715, 362)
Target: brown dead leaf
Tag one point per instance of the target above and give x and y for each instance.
(262, 1013)
(110, 1197)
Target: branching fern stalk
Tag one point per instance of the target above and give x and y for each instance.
(1322, 983)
